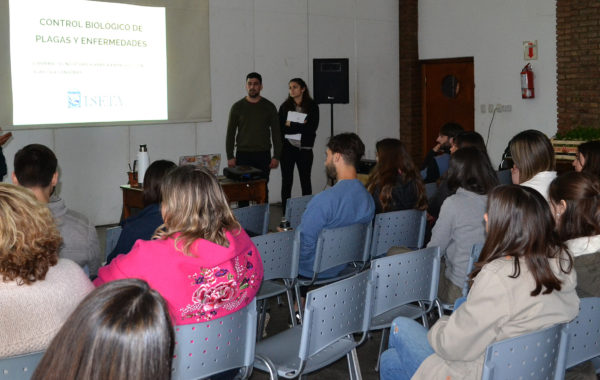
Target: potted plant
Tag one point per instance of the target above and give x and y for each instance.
(565, 144)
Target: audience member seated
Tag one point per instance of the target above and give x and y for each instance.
(202, 262)
(462, 140)
(36, 168)
(143, 225)
(533, 158)
(523, 282)
(460, 224)
(38, 290)
(346, 203)
(395, 182)
(121, 330)
(575, 202)
(588, 158)
(437, 159)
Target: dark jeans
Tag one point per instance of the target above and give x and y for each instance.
(291, 156)
(259, 160)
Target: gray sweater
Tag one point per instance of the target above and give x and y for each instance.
(80, 241)
(459, 226)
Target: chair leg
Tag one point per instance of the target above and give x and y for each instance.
(381, 346)
(261, 319)
(353, 365)
(270, 366)
(290, 299)
(299, 300)
(424, 315)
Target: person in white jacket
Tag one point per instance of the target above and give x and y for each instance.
(533, 158)
(524, 281)
(575, 203)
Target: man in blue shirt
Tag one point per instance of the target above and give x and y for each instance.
(346, 203)
(437, 159)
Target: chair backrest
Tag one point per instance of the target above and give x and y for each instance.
(112, 237)
(532, 356)
(581, 337)
(342, 245)
(431, 189)
(398, 228)
(207, 348)
(504, 177)
(294, 208)
(279, 258)
(475, 252)
(20, 367)
(254, 219)
(405, 278)
(335, 311)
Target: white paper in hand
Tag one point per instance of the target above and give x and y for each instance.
(296, 117)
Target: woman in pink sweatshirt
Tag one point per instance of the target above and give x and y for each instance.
(201, 261)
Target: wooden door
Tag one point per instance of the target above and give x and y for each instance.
(448, 96)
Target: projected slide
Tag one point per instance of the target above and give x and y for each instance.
(75, 61)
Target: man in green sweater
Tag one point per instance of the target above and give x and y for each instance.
(253, 124)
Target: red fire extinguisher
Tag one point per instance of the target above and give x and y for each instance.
(527, 82)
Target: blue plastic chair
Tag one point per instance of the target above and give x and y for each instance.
(112, 237)
(254, 219)
(208, 348)
(333, 313)
(404, 228)
(504, 177)
(294, 208)
(580, 339)
(280, 264)
(400, 281)
(475, 252)
(20, 367)
(431, 189)
(337, 246)
(530, 356)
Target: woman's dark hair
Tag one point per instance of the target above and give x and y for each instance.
(591, 152)
(581, 193)
(306, 99)
(470, 170)
(153, 180)
(520, 225)
(472, 138)
(121, 330)
(394, 162)
(532, 153)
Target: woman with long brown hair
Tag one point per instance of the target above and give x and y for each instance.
(120, 331)
(201, 261)
(575, 202)
(523, 282)
(533, 158)
(38, 290)
(395, 182)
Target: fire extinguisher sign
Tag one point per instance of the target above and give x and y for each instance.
(530, 50)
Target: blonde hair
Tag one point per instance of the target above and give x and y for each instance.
(532, 153)
(194, 207)
(29, 239)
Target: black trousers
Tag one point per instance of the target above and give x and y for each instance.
(259, 160)
(290, 157)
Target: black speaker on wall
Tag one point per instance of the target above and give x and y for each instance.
(330, 80)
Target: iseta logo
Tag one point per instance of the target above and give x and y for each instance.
(78, 100)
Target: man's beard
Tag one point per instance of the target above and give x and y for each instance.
(331, 172)
(253, 94)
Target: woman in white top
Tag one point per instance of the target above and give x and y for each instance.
(575, 203)
(533, 158)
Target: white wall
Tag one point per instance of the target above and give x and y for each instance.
(279, 39)
(492, 32)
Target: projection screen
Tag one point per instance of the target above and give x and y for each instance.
(79, 63)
